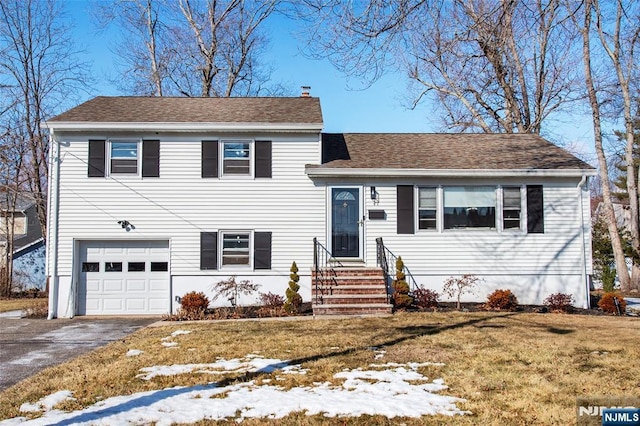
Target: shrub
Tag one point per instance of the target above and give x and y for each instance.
(502, 300)
(193, 302)
(231, 289)
(425, 298)
(271, 300)
(608, 276)
(559, 302)
(294, 300)
(456, 287)
(607, 303)
(401, 297)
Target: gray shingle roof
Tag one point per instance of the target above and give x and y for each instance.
(131, 109)
(433, 151)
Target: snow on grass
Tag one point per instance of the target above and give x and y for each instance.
(391, 393)
(249, 364)
(179, 332)
(134, 352)
(169, 344)
(48, 402)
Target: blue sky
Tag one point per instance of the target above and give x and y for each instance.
(378, 108)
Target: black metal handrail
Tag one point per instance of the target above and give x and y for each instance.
(324, 274)
(383, 255)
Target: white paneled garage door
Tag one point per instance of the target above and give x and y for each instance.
(123, 278)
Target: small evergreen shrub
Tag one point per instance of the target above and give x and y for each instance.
(194, 302)
(608, 275)
(502, 300)
(607, 303)
(294, 300)
(401, 298)
(559, 302)
(425, 298)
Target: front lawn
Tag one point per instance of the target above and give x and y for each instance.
(511, 368)
(23, 304)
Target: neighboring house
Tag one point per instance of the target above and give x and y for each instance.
(28, 242)
(154, 197)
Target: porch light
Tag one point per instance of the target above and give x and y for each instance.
(374, 194)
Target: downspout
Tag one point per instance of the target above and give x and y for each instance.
(52, 225)
(583, 251)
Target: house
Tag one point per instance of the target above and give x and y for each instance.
(19, 221)
(151, 198)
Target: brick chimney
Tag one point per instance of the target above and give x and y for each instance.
(305, 92)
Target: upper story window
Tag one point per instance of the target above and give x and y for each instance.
(236, 158)
(469, 207)
(427, 208)
(235, 248)
(124, 157)
(511, 207)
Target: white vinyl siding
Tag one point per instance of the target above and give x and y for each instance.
(180, 204)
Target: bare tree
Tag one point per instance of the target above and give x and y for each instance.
(617, 35)
(38, 70)
(191, 47)
(492, 66)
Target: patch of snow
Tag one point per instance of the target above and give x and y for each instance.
(364, 392)
(179, 332)
(248, 364)
(48, 402)
(412, 365)
(169, 344)
(134, 352)
(165, 339)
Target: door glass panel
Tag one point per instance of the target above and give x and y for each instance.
(135, 267)
(345, 229)
(90, 267)
(113, 266)
(159, 266)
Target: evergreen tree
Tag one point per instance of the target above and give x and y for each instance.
(401, 297)
(294, 300)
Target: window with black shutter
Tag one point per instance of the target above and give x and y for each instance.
(209, 159)
(208, 250)
(151, 158)
(405, 209)
(263, 159)
(262, 250)
(535, 209)
(96, 158)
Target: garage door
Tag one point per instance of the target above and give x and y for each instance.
(123, 278)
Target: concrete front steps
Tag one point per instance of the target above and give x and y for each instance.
(349, 291)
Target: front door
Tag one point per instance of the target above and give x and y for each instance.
(345, 222)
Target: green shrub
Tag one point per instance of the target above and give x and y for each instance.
(502, 300)
(401, 298)
(294, 300)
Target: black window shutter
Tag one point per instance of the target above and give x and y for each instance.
(535, 209)
(150, 158)
(208, 250)
(262, 250)
(404, 194)
(209, 159)
(263, 159)
(96, 158)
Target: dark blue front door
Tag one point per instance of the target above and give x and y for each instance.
(345, 226)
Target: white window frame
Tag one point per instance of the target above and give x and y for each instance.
(523, 199)
(138, 143)
(251, 143)
(11, 216)
(438, 217)
(222, 233)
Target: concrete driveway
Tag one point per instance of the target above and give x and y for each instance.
(30, 345)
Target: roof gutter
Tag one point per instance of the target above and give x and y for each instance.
(319, 172)
(182, 127)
